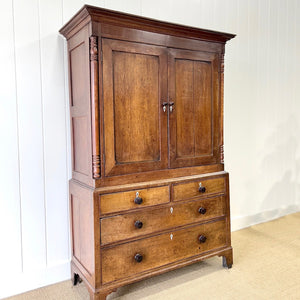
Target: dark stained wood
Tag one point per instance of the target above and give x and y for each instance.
(122, 227)
(221, 118)
(164, 174)
(228, 220)
(157, 183)
(82, 231)
(136, 126)
(80, 107)
(194, 132)
(135, 35)
(80, 127)
(191, 189)
(95, 106)
(193, 108)
(99, 295)
(123, 71)
(127, 20)
(227, 258)
(136, 92)
(116, 202)
(77, 64)
(119, 261)
(111, 287)
(184, 95)
(82, 224)
(202, 101)
(96, 275)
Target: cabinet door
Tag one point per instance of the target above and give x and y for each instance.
(194, 118)
(135, 125)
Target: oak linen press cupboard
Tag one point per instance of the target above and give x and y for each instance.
(148, 192)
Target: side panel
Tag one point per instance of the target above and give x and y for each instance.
(83, 230)
(79, 81)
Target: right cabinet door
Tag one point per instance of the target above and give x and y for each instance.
(194, 108)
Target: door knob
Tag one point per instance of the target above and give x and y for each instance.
(171, 105)
(164, 106)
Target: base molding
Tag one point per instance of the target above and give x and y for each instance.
(103, 291)
(241, 222)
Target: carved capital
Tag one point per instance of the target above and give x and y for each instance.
(96, 166)
(94, 48)
(221, 153)
(222, 63)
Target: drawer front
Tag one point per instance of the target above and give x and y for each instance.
(131, 225)
(114, 202)
(198, 188)
(139, 256)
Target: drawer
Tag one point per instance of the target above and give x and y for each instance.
(114, 202)
(133, 258)
(148, 221)
(198, 188)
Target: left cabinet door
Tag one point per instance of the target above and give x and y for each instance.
(135, 124)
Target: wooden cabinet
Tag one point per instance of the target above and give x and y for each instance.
(146, 107)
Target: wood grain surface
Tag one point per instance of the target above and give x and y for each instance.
(122, 227)
(116, 202)
(191, 189)
(118, 262)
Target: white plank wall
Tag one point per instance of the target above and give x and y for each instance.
(31, 136)
(262, 126)
(10, 216)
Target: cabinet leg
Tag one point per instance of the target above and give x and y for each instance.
(100, 295)
(76, 279)
(227, 259)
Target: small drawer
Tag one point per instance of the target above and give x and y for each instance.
(115, 202)
(198, 188)
(122, 227)
(133, 258)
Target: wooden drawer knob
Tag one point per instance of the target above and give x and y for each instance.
(138, 258)
(138, 224)
(202, 210)
(138, 199)
(202, 238)
(202, 189)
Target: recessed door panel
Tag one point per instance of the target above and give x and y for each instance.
(193, 88)
(135, 84)
(136, 94)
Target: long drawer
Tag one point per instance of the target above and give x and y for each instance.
(121, 227)
(188, 190)
(133, 258)
(120, 201)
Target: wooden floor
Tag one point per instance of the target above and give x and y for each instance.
(266, 266)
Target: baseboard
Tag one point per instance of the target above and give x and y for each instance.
(17, 283)
(241, 222)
